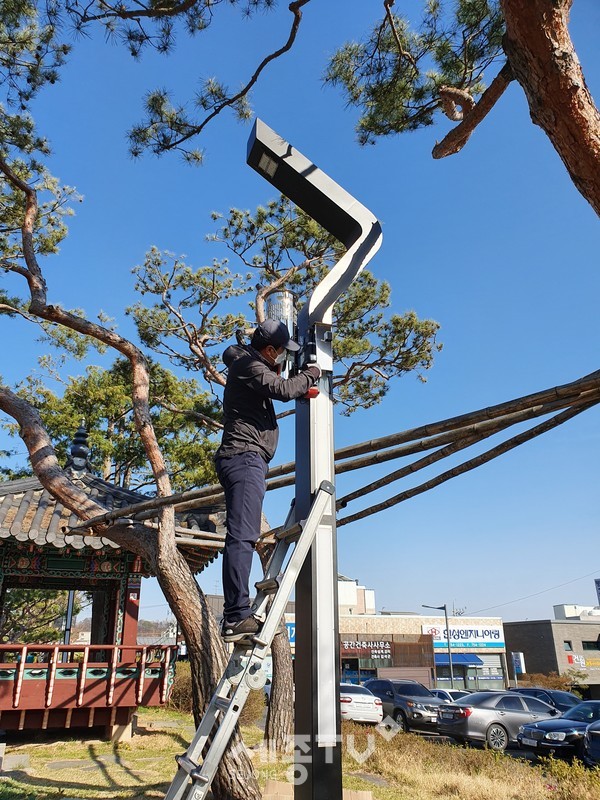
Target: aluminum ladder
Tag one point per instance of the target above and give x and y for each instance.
(245, 672)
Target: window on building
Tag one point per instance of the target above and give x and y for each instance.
(568, 646)
(591, 645)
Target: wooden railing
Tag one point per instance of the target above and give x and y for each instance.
(88, 666)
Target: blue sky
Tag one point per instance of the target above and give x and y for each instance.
(494, 243)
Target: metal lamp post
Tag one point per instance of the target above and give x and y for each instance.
(318, 770)
(444, 608)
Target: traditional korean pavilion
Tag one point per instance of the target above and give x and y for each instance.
(101, 683)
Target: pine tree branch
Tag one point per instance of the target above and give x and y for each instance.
(390, 18)
(187, 412)
(139, 367)
(12, 310)
(194, 130)
(156, 12)
(456, 139)
(277, 283)
(457, 104)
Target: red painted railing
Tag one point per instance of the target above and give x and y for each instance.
(73, 676)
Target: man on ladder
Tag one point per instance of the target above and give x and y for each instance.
(249, 441)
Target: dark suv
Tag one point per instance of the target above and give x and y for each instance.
(563, 701)
(408, 703)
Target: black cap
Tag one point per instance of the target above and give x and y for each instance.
(274, 333)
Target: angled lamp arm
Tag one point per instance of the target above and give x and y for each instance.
(328, 204)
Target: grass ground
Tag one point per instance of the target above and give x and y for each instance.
(405, 768)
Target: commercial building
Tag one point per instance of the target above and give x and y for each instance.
(570, 641)
(415, 646)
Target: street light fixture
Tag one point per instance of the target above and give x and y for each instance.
(444, 608)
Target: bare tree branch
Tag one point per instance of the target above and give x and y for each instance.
(558, 419)
(456, 103)
(456, 139)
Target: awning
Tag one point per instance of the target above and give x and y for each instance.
(442, 659)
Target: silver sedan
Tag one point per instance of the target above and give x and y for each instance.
(491, 717)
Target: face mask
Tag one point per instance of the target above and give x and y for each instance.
(281, 358)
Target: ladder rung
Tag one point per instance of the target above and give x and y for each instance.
(223, 704)
(259, 641)
(289, 534)
(268, 585)
(197, 775)
(186, 763)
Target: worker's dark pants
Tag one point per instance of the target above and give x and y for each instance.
(243, 478)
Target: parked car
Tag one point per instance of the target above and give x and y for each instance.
(554, 697)
(591, 745)
(450, 695)
(358, 704)
(408, 703)
(563, 736)
(491, 717)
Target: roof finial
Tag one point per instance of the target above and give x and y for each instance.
(79, 452)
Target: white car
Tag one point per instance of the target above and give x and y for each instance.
(450, 695)
(359, 704)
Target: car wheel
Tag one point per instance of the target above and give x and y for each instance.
(497, 738)
(400, 721)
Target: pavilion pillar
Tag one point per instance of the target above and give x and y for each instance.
(131, 610)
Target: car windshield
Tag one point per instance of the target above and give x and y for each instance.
(412, 689)
(583, 712)
(352, 689)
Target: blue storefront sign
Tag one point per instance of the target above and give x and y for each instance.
(291, 629)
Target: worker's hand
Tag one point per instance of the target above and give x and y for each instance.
(315, 372)
(313, 369)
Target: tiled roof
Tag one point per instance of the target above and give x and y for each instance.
(28, 513)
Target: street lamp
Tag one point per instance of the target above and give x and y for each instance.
(444, 608)
(317, 673)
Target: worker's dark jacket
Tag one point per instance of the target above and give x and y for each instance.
(249, 416)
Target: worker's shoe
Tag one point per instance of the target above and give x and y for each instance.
(243, 629)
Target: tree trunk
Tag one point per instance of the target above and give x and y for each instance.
(279, 727)
(544, 62)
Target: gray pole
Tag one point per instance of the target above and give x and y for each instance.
(449, 646)
(444, 608)
(318, 763)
